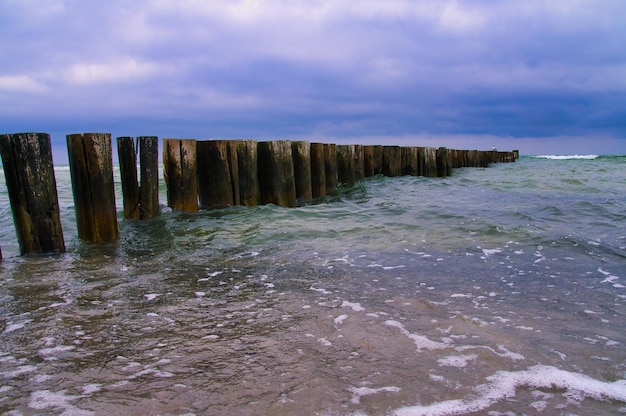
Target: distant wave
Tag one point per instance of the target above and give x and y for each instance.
(565, 157)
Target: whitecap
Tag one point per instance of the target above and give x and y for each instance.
(504, 384)
(358, 392)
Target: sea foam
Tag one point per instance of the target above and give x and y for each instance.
(504, 384)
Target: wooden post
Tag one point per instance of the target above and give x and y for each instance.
(91, 170)
(149, 169)
(140, 202)
(247, 159)
(330, 165)
(345, 163)
(368, 161)
(378, 160)
(302, 171)
(392, 161)
(215, 186)
(127, 157)
(179, 160)
(359, 162)
(443, 168)
(276, 178)
(409, 161)
(29, 175)
(430, 162)
(318, 170)
(233, 164)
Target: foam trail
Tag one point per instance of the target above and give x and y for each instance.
(504, 384)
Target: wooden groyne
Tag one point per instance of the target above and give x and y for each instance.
(198, 174)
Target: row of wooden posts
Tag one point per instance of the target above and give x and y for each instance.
(197, 174)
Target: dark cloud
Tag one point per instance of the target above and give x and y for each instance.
(335, 69)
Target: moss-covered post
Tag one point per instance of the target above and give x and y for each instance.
(29, 175)
(91, 170)
(180, 165)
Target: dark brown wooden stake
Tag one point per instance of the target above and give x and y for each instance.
(368, 161)
(91, 170)
(443, 168)
(302, 171)
(247, 158)
(378, 160)
(392, 161)
(318, 170)
(276, 177)
(215, 186)
(29, 175)
(179, 160)
(233, 164)
(149, 169)
(127, 157)
(409, 161)
(359, 162)
(430, 161)
(330, 165)
(345, 163)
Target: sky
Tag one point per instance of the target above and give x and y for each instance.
(544, 77)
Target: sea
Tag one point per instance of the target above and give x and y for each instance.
(496, 291)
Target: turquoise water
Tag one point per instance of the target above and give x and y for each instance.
(495, 291)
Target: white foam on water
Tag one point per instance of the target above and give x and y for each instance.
(324, 291)
(18, 371)
(152, 296)
(490, 252)
(358, 392)
(48, 352)
(393, 267)
(421, 342)
(566, 157)
(15, 326)
(339, 320)
(354, 306)
(46, 399)
(458, 361)
(504, 384)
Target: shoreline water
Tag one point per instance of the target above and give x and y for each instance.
(494, 290)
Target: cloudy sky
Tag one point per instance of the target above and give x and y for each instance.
(536, 75)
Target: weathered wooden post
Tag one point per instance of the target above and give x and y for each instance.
(368, 161)
(179, 160)
(359, 162)
(430, 162)
(378, 159)
(29, 175)
(127, 157)
(443, 168)
(345, 163)
(392, 161)
(318, 170)
(276, 177)
(215, 185)
(409, 161)
(149, 169)
(302, 170)
(91, 170)
(330, 165)
(247, 159)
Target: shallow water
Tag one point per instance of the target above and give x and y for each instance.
(495, 291)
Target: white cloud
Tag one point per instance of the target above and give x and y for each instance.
(20, 83)
(111, 72)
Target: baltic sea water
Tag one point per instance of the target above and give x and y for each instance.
(497, 291)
